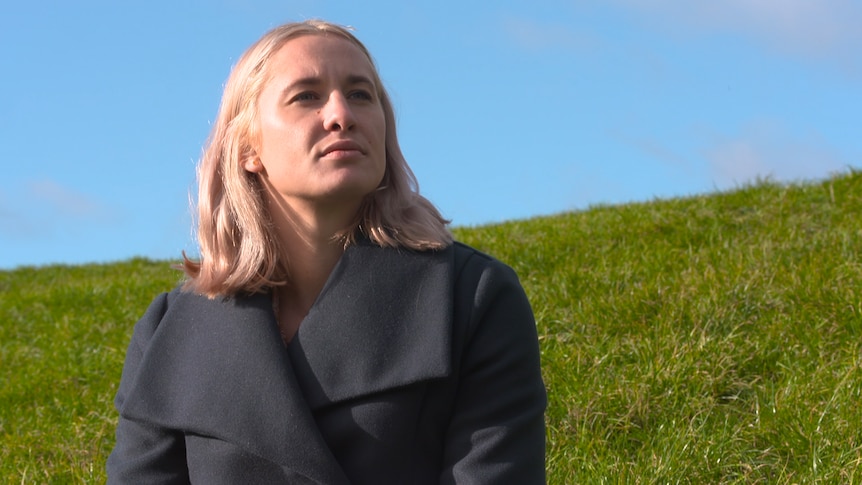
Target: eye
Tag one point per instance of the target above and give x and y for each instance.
(361, 94)
(304, 96)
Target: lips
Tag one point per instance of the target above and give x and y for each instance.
(342, 148)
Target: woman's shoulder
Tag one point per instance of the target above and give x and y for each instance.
(180, 304)
(166, 302)
(464, 252)
(471, 262)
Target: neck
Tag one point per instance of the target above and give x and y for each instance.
(309, 235)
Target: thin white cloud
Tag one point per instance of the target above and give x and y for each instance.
(13, 225)
(653, 149)
(532, 35)
(822, 29)
(65, 200)
(765, 150)
(44, 208)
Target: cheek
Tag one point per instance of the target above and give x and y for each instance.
(279, 145)
(382, 125)
(380, 133)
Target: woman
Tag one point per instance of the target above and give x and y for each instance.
(332, 332)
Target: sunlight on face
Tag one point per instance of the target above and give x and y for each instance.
(322, 126)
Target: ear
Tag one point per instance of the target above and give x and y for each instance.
(252, 164)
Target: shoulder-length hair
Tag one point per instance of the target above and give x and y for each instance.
(240, 251)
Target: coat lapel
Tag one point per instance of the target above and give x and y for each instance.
(383, 320)
(218, 368)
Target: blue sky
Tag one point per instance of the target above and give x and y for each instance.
(507, 109)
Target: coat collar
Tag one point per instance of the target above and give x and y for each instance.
(218, 367)
(383, 320)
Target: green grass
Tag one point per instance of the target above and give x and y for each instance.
(62, 343)
(711, 339)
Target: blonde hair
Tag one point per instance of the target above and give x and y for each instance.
(240, 251)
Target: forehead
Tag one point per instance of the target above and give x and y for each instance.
(319, 54)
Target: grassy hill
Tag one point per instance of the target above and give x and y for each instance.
(711, 339)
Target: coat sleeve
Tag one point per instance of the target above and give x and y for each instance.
(497, 431)
(144, 453)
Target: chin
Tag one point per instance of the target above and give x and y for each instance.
(357, 186)
(348, 193)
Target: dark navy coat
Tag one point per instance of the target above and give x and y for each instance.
(410, 368)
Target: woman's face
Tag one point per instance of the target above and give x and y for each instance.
(322, 127)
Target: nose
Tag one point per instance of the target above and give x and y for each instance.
(337, 113)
